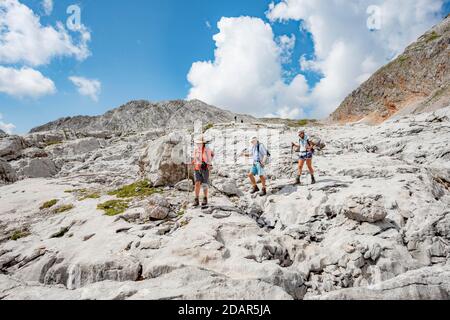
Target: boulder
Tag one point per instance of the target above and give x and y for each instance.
(7, 173)
(11, 147)
(227, 187)
(364, 208)
(185, 185)
(163, 161)
(36, 168)
(157, 208)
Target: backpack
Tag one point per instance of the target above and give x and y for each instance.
(268, 153)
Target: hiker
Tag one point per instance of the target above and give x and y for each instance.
(202, 161)
(260, 156)
(306, 153)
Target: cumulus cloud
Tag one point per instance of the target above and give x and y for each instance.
(23, 39)
(246, 75)
(6, 127)
(48, 6)
(346, 51)
(87, 87)
(25, 82)
(286, 44)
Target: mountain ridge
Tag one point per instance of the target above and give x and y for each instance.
(416, 81)
(141, 115)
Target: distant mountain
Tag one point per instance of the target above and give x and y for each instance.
(416, 81)
(143, 115)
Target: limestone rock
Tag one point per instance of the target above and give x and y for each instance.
(417, 81)
(163, 161)
(11, 147)
(36, 168)
(7, 173)
(364, 208)
(157, 208)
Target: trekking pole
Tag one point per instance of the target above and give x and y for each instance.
(292, 160)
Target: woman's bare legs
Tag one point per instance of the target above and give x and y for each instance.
(310, 166)
(311, 170)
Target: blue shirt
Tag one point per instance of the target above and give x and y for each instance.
(259, 156)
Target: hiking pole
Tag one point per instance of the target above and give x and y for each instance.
(292, 161)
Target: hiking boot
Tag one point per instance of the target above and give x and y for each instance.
(297, 181)
(313, 180)
(263, 192)
(204, 202)
(196, 202)
(254, 190)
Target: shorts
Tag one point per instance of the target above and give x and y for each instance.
(202, 176)
(305, 155)
(257, 170)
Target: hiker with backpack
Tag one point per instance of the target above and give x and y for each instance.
(260, 156)
(202, 162)
(305, 147)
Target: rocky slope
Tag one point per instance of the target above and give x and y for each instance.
(376, 225)
(143, 115)
(416, 81)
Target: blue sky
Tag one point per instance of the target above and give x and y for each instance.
(141, 49)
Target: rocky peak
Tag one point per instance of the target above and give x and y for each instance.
(142, 115)
(416, 81)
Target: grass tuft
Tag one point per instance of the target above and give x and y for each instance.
(208, 126)
(49, 204)
(137, 189)
(19, 234)
(113, 207)
(64, 208)
(432, 36)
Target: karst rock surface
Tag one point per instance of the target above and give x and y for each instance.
(376, 224)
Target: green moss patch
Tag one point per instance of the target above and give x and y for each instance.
(83, 194)
(137, 189)
(432, 36)
(64, 208)
(92, 195)
(208, 126)
(113, 207)
(52, 143)
(19, 234)
(49, 204)
(301, 123)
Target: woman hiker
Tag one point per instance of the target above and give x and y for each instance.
(306, 153)
(202, 161)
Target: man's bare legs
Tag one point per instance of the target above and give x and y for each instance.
(263, 182)
(252, 179)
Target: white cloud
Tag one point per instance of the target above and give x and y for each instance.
(346, 51)
(87, 87)
(246, 75)
(24, 40)
(25, 82)
(6, 127)
(286, 44)
(48, 6)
